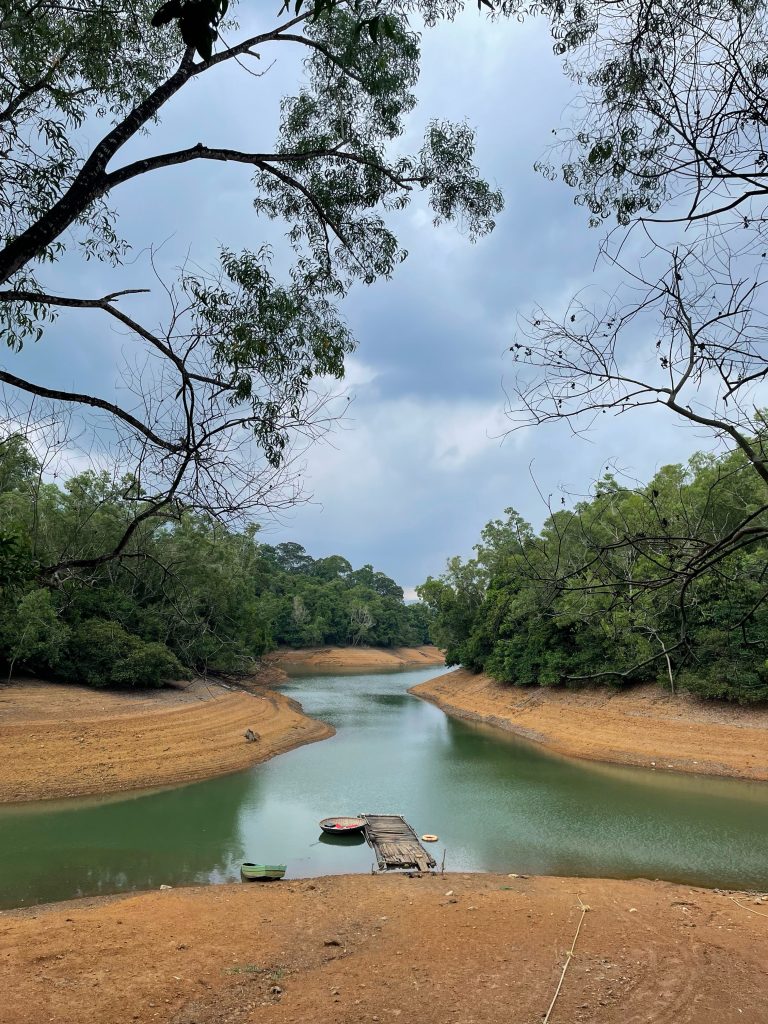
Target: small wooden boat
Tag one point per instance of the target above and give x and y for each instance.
(261, 872)
(342, 826)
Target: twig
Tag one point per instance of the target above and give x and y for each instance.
(568, 958)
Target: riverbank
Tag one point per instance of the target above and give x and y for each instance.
(641, 726)
(62, 741)
(353, 659)
(348, 949)
(66, 741)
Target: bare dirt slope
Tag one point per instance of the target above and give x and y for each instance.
(642, 726)
(63, 741)
(471, 949)
(361, 659)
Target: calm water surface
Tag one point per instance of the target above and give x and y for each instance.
(496, 802)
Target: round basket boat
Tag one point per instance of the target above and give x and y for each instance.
(342, 826)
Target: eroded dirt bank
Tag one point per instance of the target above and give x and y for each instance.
(642, 726)
(67, 741)
(470, 949)
(361, 659)
(64, 741)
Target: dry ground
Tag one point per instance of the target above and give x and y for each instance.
(463, 949)
(355, 659)
(642, 726)
(63, 741)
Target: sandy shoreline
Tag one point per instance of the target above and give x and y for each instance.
(69, 741)
(351, 659)
(63, 741)
(480, 948)
(642, 726)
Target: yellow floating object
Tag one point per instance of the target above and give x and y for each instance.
(429, 839)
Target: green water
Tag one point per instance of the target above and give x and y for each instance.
(497, 803)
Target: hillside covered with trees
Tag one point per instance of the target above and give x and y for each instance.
(188, 594)
(622, 588)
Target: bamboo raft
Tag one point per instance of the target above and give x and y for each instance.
(395, 844)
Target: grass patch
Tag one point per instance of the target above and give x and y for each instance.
(272, 974)
(246, 969)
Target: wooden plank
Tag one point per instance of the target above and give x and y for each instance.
(395, 843)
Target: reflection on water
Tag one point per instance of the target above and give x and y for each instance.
(497, 803)
(102, 847)
(356, 839)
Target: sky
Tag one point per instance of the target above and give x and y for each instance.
(425, 456)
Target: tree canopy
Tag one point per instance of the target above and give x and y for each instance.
(604, 593)
(195, 597)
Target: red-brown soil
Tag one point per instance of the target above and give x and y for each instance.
(642, 726)
(63, 741)
(463, 949)
(354, 659)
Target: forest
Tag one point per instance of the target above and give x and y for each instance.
(188, 595)
(621, 588)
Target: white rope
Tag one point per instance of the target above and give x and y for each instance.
(568, 958)
(759, 913)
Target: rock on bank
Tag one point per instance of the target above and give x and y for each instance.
(641, 726)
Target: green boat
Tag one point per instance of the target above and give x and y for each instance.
(261, 872)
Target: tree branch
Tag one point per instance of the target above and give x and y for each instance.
(56, 395)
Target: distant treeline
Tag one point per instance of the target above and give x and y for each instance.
(186, 595)
(666, 583)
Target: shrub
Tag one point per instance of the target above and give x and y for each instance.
(103, 654)
(32, 632)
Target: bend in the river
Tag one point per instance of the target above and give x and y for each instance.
(497, 803)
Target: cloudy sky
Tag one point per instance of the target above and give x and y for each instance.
(421, 461)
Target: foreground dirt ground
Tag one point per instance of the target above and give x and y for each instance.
(361, 659)
(464, 949)
(63, 741)
(642, 726)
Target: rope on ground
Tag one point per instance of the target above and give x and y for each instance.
(568, 958)
(759, 914)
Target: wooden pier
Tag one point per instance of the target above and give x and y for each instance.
(395, 844)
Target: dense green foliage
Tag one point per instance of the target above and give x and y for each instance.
(188, 595)
(609, 592)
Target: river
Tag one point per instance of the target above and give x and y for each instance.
(497, 803)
